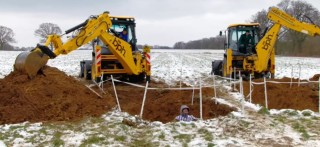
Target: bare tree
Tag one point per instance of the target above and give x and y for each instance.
(290, 39)
(261, 18)
(46, 29)
(6, 36)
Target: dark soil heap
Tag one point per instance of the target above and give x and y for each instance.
(282, 96)
(53, 96)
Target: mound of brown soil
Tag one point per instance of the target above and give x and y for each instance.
(52, 96)
(315, 77)
(282, 96)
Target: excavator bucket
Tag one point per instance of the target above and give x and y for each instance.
(31, 62)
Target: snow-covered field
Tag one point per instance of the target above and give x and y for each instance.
(173, 65)
(263, 128)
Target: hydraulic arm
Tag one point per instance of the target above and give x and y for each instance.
(96, 26)
(265, 47)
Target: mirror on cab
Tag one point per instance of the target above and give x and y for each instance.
(220, 33)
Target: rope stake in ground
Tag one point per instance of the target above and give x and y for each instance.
(265, 92)
(144, 99)
(200, 93)
(250, 91)
(242, 96)
(93, 91)
(115, 92)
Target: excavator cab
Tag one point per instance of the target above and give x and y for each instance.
(237, 48)
(235, 32)
(259, 60)
(122, 27)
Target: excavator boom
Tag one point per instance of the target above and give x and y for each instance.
(94, 27)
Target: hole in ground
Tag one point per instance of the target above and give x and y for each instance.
(164, 105)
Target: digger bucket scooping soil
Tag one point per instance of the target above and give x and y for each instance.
(32, 62)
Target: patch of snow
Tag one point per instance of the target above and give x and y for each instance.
(2, 144)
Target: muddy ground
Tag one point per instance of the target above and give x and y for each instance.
(54, 96)
(282, 96)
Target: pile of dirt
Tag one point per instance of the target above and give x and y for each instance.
(52, 96)
(315, 77)
(282, 96)
(164, 105)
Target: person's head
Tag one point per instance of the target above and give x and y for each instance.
(124, 32)
(184, 109)
(247, 32)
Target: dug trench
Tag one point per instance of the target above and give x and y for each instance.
(283, 96)
(55, 96)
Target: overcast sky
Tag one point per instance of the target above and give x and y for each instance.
(159, 22)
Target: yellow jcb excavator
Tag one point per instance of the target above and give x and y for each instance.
(258, 59)
(112, 54)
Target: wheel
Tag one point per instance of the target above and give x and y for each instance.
(217, 67)
(136, 78)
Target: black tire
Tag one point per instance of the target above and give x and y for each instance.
(148, 79)
(136, 78)
(85, 65)
(217, 67)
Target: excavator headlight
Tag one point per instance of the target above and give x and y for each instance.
(127, 19)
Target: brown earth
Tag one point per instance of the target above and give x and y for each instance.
(54, 96)
(282, 96)
(51, 96)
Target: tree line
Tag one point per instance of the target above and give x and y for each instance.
(205, 43)
(289, 43)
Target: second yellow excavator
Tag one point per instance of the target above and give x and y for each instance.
(258, 57)
(102, 30)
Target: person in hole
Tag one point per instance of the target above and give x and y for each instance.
(184, 114)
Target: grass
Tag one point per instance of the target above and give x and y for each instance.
(206, 134)
(281, 119)
(183, 137)
(120, 138)
(264, 111)
(211, 145)
(162, 136)
(92, 140)
(301, 129)
(56, 140)
(306, 113)
(143, 143)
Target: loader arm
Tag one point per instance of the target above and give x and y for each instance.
(97, 26)
(265, 47)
